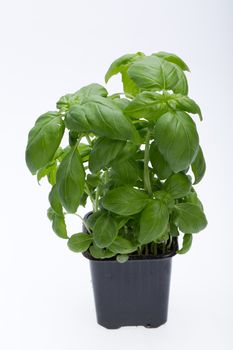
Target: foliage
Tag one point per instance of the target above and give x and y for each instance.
(136, 155)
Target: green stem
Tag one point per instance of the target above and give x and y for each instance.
(89, 140)
(97, 198)
(147, 184)
(90, 195)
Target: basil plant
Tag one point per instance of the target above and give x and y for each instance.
(135, 155)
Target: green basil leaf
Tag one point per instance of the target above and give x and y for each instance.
(154, 73)
(178, 185)
(183, 103)
(187, 242)
(121, 245)
(65, 102)
(49, 171)
(105, 230)
(104, 118)
(58, 224)
(171, 57)
(70, 180)
(43, 140)
(125, 173)
(122, 103)
(177, 139)
(199, 166)
(104, 151)
(125, 200)
(191, 219)
(193, 198)
(54, 201)
(79, 242)
(165, 198)
(121, 65)
(153, 221)
(122, 258)
(149, 105)
(100, 253)
(160, 165)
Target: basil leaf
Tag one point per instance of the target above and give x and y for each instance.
(154, 73)
(125, 173)
(165, 198)
(104, 118)
(121, 245)
(183, 103)
(121, 65)
(178, 185)
(70, 180)
(65, 102)
(177, 139)
(122, 258)
(153, 222)
(105, 230)
(58, 223)
(187, 242)
(193, 198)
(149, 105)
(43, 140)
(199, 166)
(191, 219)
(104, 151)
(79, 242)
(54, 201)
(100, 253)
(171, 57)
(125, 200)
(160, 165)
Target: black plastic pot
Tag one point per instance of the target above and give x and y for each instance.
(134, 293)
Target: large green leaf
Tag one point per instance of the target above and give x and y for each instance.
(102, 117)
(148, 104)
(153, 221)
(66, 101)
(70, 180)
(178, 185)
(154, 73)
(121, 245)
(191, 218)
(171, 57)
(199, 166)
(105, 230)
(160, 165)
(43, 140)
(187, 242)
(125, 200)
(58, 223)
(177, 139)
(79, 242)
(104, 151)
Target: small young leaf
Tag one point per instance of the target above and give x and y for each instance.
(100, 253)
(122, 258)
(43, 140)
(153, 221)
(187, 242)
(178, 185)
(199, 166)
(79, 242)
(105, 230)
(177, 139)
(70, 180)
(104, 151)
(191, 219)
(160, 165)
(125, 200)
(183, 103)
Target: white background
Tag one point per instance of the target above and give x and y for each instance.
(49, 48)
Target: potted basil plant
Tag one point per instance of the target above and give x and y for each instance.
(136, 156)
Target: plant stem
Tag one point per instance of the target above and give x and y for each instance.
(89, 140)
(147, 184)
(90, 195)
(97, 198)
